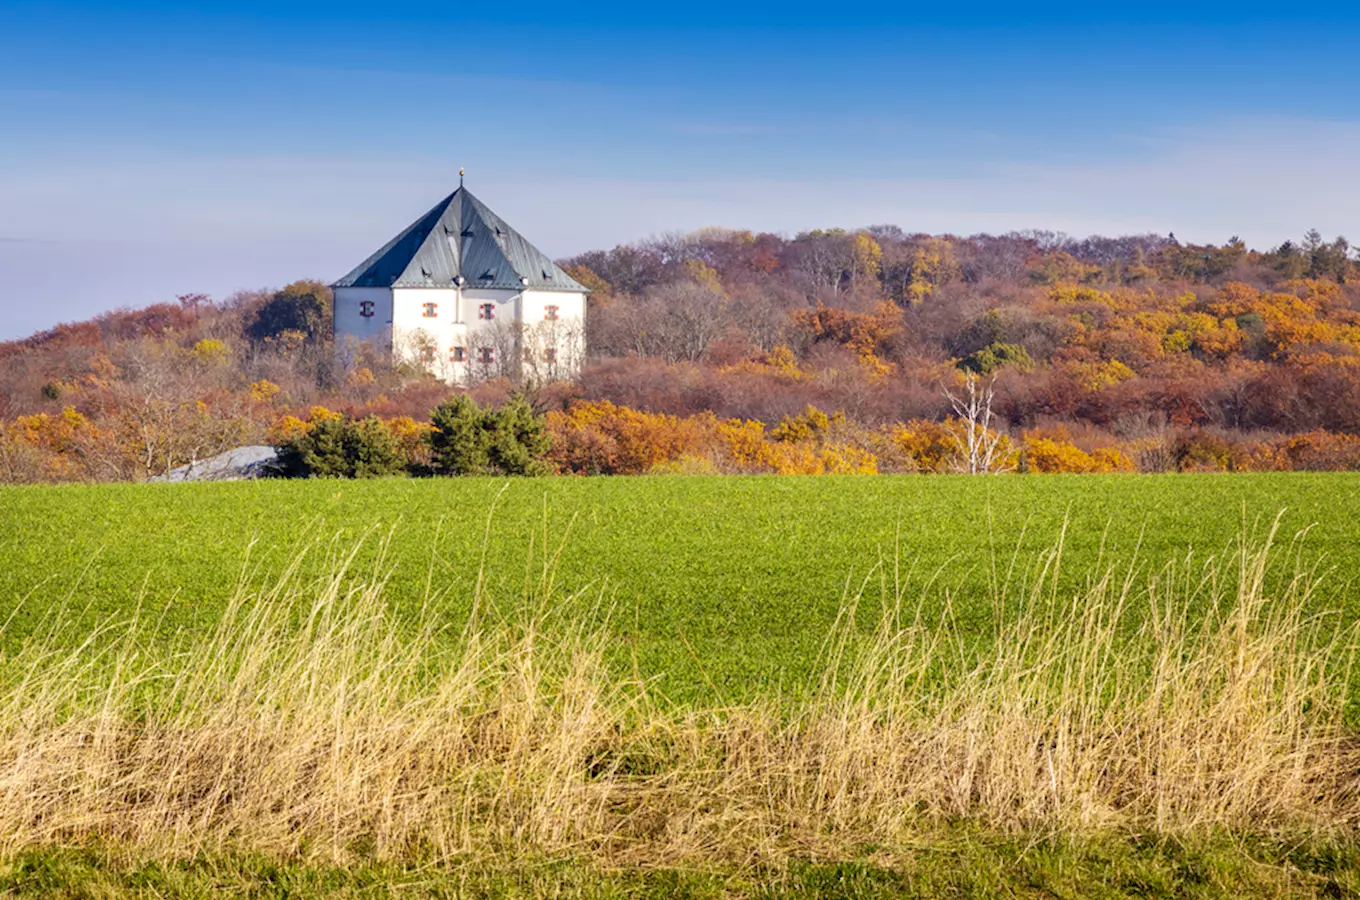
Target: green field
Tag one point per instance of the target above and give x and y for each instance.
(728, 581)
(302, 742)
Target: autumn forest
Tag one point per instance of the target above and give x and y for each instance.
(727, 351)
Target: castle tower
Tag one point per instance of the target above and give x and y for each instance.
(465, 295)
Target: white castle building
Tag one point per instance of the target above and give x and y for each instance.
(462, 293)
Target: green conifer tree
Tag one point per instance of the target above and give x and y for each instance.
(517, 439)
(458, 444)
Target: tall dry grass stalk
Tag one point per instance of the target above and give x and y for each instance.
(310, 723)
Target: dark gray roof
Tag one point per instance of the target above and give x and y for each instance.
(460, 237)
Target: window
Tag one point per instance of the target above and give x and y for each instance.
(366, 308)
(550, 313)
(431, 310)
(488, 356)
(486, 311)
(550, 355)
(427, 354)
(457, 354)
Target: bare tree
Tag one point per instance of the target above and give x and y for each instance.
(553, 351)
(675, 321)
(420, 349)
(686, 318)
(981, 448)
(823, 260)
(495, 351)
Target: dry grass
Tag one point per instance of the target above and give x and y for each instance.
(311, 724)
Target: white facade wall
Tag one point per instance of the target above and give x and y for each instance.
(447, 329)
(535, 335)
(356, 322)
(554, 334)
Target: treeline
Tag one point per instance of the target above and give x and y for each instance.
(461, 438)
(601, 438)
(706, 349)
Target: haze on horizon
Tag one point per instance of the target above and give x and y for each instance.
(152, 149)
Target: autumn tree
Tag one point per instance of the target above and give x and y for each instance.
(302, 309)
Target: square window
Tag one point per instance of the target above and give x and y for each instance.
(550, 355)
(550, 313)
(427, 354)
(488, 355)
(366, 308)
(431, 310)
(486, 311)
(457, 354)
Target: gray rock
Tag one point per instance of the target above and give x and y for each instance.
(256, 461)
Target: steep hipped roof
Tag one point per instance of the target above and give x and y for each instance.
(460, 237)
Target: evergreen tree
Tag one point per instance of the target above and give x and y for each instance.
(342, 448)
(469, 440)
(320, 453)
(518, 439)
(370, 450)
(459, 442)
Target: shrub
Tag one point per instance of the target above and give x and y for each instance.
(927, 446)
(843, 458)
(605, 439)
(1320, 451)
(341, 447)
(412, 439)
(264, 390)
(806, 426)
(1046, 455)
(466, 439)
(47, 447)
(1201, 451)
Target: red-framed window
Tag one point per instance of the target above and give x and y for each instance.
(550, 313)
(457, 354)
(366, 308)
(427, 354)
(486, 311)
(431, 310)
(550, 355)
(488, 355)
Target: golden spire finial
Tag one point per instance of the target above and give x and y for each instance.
(461, 173)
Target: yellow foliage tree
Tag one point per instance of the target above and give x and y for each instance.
(866, 259)
(932, 264)
(264, 390)
(1046, 455)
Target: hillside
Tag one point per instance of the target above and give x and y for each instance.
(830, 351)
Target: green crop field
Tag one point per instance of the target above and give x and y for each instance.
(731, 583)
(315, 741)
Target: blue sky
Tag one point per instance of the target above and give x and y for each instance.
(154, 148)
